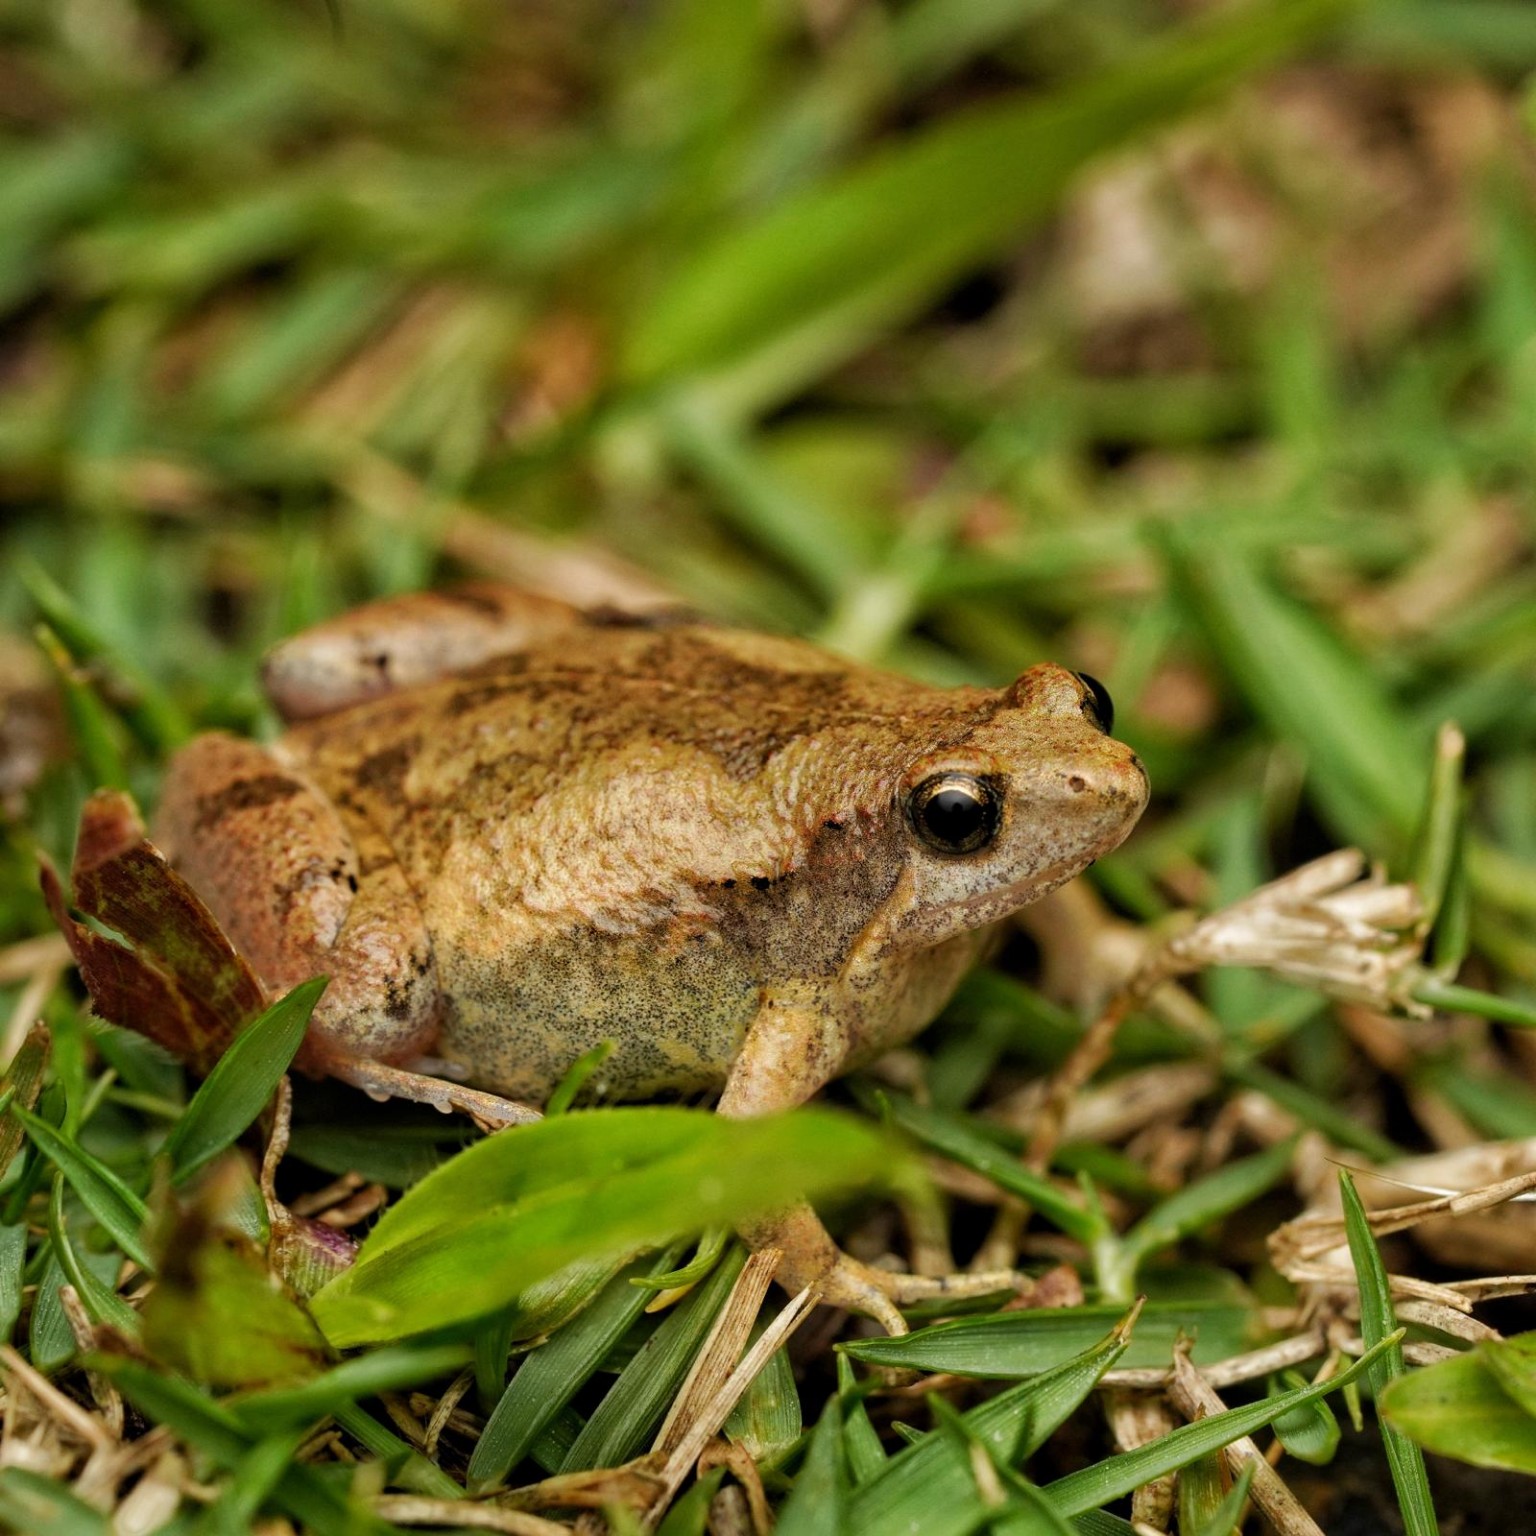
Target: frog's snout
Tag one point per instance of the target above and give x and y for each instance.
(1118, 783)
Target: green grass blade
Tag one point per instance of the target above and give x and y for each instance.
(410, 1468)
(101, 1302)
(629, 1415)
(1222, 1520)
(1438, 842)
(1377, 1320)
(242, 1081)
(13, 1257)
(954, 1137)
(1007, 1345)
(1209, 1199)
(926, 1488)
(101, 1192)
(862, 1450)
(1453, 999)
(551, 1375)
(380, 1370)
(150, 713)
(815, 1504)
(1300, 679)
(41, 1506)
(1114, 1478)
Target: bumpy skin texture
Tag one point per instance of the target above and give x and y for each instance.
(509, 830)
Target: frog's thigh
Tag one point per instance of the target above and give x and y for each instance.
(269, 854)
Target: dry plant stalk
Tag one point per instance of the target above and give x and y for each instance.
(1334, 925)
(409, 1509)
(1193, 1396)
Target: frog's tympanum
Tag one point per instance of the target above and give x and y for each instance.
(509, 830)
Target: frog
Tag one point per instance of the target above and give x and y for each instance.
(511, 830)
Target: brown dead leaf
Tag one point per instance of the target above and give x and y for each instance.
(182, 984)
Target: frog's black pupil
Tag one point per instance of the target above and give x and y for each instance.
(956, 814)
(1098, 706)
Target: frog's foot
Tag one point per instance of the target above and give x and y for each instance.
(879, 1293)
(811, 1258)
(488, 1110)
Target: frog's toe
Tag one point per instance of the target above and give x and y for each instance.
(488, 1110)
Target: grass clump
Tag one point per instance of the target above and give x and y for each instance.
(1190, 351)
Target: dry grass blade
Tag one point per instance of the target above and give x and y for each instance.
(721, 1350)
(711, 1413)
(1194, 1397)
(406, 1509)
(1275, 1357)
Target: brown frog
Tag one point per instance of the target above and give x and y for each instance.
(509, 830)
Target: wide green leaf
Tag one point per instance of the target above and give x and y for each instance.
(1459, 1408)
(523, 1204)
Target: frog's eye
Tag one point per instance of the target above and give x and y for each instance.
(1098, 706)
(955, 813)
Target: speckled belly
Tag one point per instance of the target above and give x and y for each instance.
(514, 1022)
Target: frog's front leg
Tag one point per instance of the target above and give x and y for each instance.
(794, 1047)
(300, 896)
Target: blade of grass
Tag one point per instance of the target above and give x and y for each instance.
(827, 268)
(1222, 1520)
(42, 1506)
(954, 1137)
(815, 1503)
(411, 1469)
(380, 1370)
(91, 726)
(1006, 1345)
(1355, 738)
(13, 1258)
(212, 1429)
(1112, 1479)
(551, 1375)
(925, 1488)
(862, 1450)
(102, 1193)
(153, 717)
(1377, 1322)
(102, 1303)
(635, 1404)
(242, 1081)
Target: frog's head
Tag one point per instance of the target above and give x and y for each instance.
(1030, 797)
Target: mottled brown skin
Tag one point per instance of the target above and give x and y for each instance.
(508, 831)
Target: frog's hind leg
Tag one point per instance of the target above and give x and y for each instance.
(792, 1049)
(300, 896)
(488, 1110)
(400, 642)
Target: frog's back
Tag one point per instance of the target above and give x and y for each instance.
(629, 831)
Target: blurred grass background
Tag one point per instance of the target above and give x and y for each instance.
(1190, 344)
